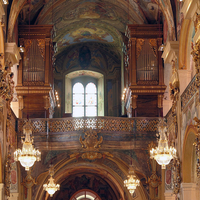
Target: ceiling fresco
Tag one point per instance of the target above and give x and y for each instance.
(107, 19)
(86, 34)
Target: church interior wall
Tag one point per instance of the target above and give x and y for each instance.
(125, 140)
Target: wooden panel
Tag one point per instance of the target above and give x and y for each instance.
(147, 106)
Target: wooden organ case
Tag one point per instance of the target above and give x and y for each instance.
(35, 74)
(144, 73)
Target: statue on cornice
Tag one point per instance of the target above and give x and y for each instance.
(174, 83)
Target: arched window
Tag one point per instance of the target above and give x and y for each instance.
(84, 100)
(85, 195)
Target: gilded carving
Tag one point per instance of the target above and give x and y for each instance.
(27, 45)
(196, 58)
(139, 45)
(154, 47)
(6, 84)
(41, 45)
(174, 86)
(91, 146)
(176, 176)
(91, 142)
(174, 83)
(197, 22)
(7, 174)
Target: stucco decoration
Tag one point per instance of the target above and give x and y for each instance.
(64, 13)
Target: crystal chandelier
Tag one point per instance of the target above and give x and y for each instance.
(132, 182)
(51, 187)
(163, 154)
(28, 155)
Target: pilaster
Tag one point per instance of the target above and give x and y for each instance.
(170, 196)
(13, 196)
(189, 191)
(1, 191)
(184, 78)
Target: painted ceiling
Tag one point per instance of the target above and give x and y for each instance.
(80, 21)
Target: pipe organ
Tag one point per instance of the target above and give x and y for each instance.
(144, 71)
(35, 73)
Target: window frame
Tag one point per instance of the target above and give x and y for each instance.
(85, 80)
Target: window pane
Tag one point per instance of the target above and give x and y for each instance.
(91, 88)
(91, 99)
(78, 99)
(91, 111)
(78, 88)
(78, 111)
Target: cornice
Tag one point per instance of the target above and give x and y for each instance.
(12, 53)
(171, 51)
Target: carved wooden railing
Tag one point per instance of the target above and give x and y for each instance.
(188, 93)
(115, 124)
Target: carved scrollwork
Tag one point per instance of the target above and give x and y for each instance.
(174, 83)
(174, 86)
(196, 58)
(197, 22)
(27, 45)
(90, 146)
(176, 176)
(154, 46)
(6, 84)
(91, 141)
(41, 45)
(139, 45)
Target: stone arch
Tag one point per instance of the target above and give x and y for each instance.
(185, 44)
(188, 156)
(70, 167)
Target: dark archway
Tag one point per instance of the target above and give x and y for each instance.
(85, 181)
(85, 194)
